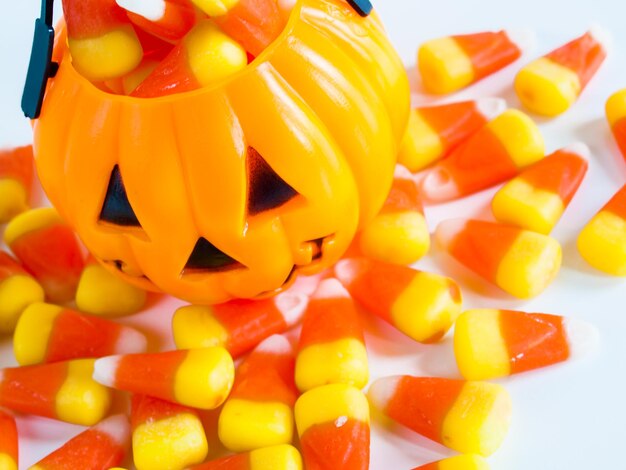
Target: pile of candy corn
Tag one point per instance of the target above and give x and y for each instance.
(73, 361)
(151, 48)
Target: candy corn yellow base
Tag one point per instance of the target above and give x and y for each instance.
(616, 107)
(283, 457)
(7, 462)
(400, 238)
(82, 400)
(196, 327)
(479, 348)
(30, 341)
(245, 425)
(603, 243)
(342, 361)
(174, 442)
(29, 222)
(463, 462)
(520, 136)
(13, 200)
(530, 265)
(547, 88)
(215, 7)
(444, 66)
(479, 420)
(421, 145)
(520, 204)
(17, 293)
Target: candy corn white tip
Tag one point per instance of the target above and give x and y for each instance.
(402, 172)
(448, 230)
(382, 391)
(524, 39)
(579, 148)
(105, 370)
(286, 5)
(152, 10)
(491, 108)
(438, 186)
(330, 289)
(601, 35)
(292, 307)
(582, 337)
(131, 341)
(276, 344)
(117, 427)
(346, 271)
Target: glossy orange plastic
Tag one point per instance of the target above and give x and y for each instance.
(330, 90)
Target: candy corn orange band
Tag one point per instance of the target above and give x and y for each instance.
(9, 267)
(264, 385)
(617, 205)
(619, 130)
(17, 164)
(232, 462)
(177, 20)
(488, 51)
(92, 18)
(145, 408)
(328, 445)
(583, 55)
(453, 122)
(172, 75)
(8, 442)
(268, 458)
(403, 196)
(328, 320)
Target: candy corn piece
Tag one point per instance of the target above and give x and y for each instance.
(520, 262)
(551, 84)
(602, 243)
(421, 305)
(166, 435)
(101, 39)
(536, 199)
(434, 131)
(47, 333)
(333, 424)
(258, 412)
(497, 152)
(252, 23)
(198, 378)
(283, 457)
(460, 462)
(18, 290)
(454, 62)
(238, 325)
(331, 348)
(99, 447)
(496, 343)
(8, 442)
(16, 178)
(63, 391)
(102, 293)
(206, 55)
(469, 417)
(129, 83)
(616, 115)
(169, 20)
(48, 249)
(399, 233)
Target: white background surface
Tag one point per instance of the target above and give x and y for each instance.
(566, 417)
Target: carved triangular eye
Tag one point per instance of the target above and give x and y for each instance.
(206, 257)
(267, 190)
(116, 208)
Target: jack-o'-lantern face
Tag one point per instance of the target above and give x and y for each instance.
(231, 191)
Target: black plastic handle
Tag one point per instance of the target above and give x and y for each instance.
(41, 67)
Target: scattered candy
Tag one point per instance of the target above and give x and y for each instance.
(520, 262)
(496, 343)
(198, 378)
(165, 435)
(551, 84)
(101, 39)
(497, 152)
(421, 305)
(100, 447)
(48, 333)
(434, 131)
(333, 425)
(49, 250)
(238, 325)
(451, 63)
(16, 177)
(331, 348)
(283, 457)
(536, 199)
(63, 391)
(102, 293)
(206, 55)
(258, 412)
(8, 442)
(460, 462)
(169, 20)
(18, 290)
(469, 417)
(129, 83)
(616, 115)
(602, 243)
(399, 233)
